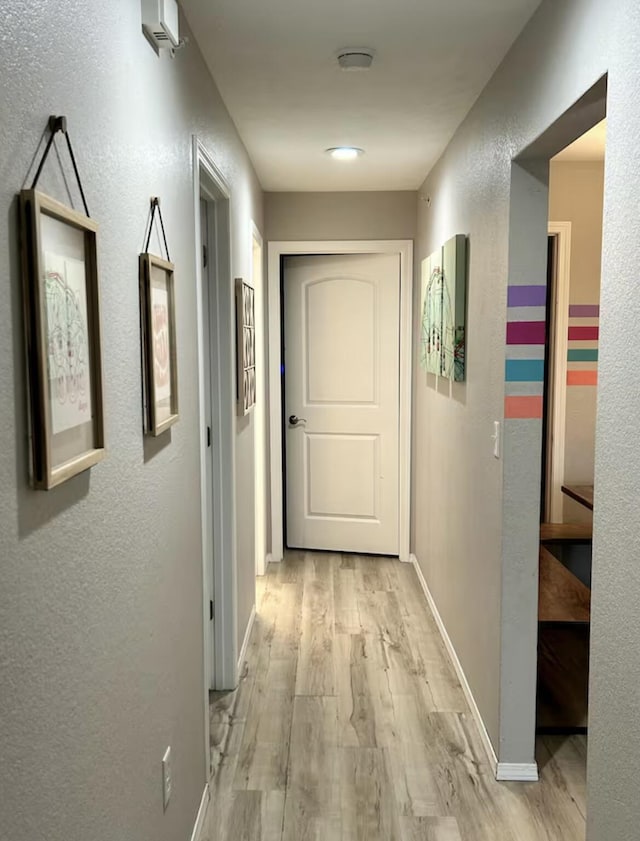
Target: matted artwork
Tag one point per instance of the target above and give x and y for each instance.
(160, 371)
(62, 320)
(246, 346)
(443, 310)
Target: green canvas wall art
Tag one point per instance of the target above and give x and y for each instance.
(443, 309)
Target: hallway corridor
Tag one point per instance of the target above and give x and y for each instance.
(349, 724)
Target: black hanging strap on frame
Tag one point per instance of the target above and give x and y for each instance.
(155, 204)
(57, 124)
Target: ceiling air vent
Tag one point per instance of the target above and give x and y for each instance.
(160, 23)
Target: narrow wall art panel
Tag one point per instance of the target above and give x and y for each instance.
(246, 347)
(443, 310)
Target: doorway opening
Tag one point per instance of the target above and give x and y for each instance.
(216, 378)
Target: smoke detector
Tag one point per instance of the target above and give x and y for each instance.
(160, 23)
(355, 58)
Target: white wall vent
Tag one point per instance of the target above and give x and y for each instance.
(160, 23)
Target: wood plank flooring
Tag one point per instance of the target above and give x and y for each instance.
(349, 724)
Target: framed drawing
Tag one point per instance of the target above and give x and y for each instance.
(246, 347)
(159, 363)
(62, 323)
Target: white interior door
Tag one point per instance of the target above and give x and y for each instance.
(342, 346)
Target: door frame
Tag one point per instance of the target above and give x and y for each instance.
(261, 442)
(557, 374)
(278, 250)
(209, 182)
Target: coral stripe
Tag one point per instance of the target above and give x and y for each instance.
(523, 407)
(582, 378)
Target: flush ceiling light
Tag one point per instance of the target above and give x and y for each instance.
(355, 58)
(345, 153)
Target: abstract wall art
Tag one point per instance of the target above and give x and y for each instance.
(443, 310)
(246, 347)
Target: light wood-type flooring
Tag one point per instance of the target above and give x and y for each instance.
(349, 724)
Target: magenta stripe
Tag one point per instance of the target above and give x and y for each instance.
(583, 334)
(527, 296)
(525, 333)
(584, 311)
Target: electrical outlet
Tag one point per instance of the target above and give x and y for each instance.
(167, 780)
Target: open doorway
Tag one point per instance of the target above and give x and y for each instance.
(576, 190)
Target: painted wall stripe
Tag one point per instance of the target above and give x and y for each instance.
(525, 351)
(582, 377)
(524, 370)
(526, 314)
(583, 354)
(526, 333)
(583, 333)
(517, 389)
(584, 311)
(523, 408)
(527, 296)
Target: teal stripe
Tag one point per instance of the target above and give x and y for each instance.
(524, 370)
(583, 355)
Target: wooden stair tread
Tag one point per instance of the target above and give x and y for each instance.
(562, 597)
(566, 532)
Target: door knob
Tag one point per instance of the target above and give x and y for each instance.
(294, 420)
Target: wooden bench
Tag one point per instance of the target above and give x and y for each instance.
(566, 533)
(562, 597)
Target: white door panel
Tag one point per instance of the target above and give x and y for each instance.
(342, 381)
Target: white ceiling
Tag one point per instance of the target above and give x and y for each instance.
(588, 147)
(274, 62)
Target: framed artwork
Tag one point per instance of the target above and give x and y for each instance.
(246, 347)
(159, 358)
(62, 325)
(443, 310)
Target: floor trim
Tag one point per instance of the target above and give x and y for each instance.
(201, 817)
(517, 772)
(245, 641)
(457, 665)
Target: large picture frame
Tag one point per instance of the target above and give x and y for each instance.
(62, 326)
(159, 355)
(246, 347)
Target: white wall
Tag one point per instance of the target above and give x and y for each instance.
(475, 519)
(100, 579)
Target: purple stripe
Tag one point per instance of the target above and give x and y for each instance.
(526, 332)
(527, 296)
(584, 311)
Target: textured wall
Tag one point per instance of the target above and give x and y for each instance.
(302, 216)
(614, 722)
(100, 579)
(576, 192)
(475, 518)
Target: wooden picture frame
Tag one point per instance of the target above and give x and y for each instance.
(62, 328)
(246, 347)
(159, 357)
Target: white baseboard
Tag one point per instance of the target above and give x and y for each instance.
(201, 817)
(486, 741)
(517, 772)
(245, 641)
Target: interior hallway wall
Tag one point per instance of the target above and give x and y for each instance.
(576, 194)
(101, 627)
(326, 216)
(476, 518)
